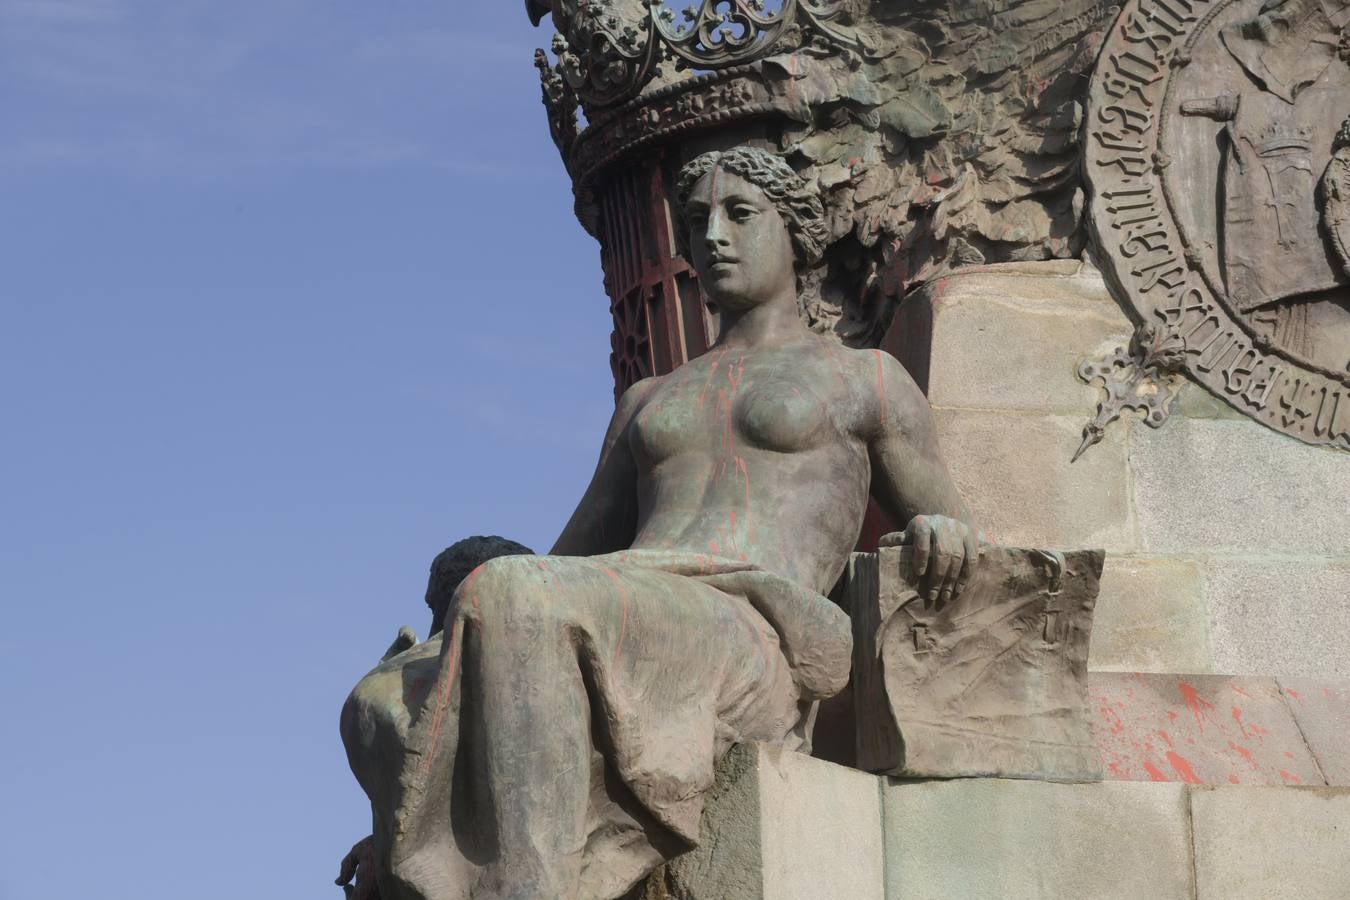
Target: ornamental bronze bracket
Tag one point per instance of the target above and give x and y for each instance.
(1138, 377)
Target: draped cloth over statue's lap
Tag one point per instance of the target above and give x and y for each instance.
(561, 736)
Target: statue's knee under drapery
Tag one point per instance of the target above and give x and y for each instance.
(564, 727)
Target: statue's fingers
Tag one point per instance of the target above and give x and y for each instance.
(951, 577)
(922, 541)
(944, 567)
(940, 558)
(952, 546)
(968, 563)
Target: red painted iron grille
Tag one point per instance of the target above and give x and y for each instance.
(660, 320)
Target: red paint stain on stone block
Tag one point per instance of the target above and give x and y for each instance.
(1182, 768)
(1112, 719)
(1244, 753)
(1237, 717)
(1199, 706)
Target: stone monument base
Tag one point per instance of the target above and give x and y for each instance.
(1226, 543)
(782, 826)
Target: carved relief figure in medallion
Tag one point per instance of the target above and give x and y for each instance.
(1282, 90)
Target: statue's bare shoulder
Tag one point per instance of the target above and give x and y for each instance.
(633, 399)
(885, 396)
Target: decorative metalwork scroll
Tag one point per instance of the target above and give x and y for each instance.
(1135, 377)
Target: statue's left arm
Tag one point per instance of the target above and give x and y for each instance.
(606, 518)
(911, 483)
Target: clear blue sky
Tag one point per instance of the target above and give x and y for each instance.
(291, 296)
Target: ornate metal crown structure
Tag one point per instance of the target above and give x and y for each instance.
(607, 52)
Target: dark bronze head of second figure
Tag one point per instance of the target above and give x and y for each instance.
(751, 227)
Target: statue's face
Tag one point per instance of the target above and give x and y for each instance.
(741, 246)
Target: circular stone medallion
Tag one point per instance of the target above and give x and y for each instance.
(1216, 157)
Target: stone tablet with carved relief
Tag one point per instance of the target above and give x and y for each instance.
(1218, 157)
(992, 683)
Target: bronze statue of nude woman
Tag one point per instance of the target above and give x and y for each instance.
(557, 738)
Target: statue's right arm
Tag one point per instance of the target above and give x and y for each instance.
(606, 518)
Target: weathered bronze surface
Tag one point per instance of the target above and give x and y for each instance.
(557, 738)
(1141, 376)
(1216, 153)
(993, 683)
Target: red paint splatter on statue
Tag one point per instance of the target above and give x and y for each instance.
(714, 360)
(728, 431)
(452, 648)
(749, 522)
(736, 373)
(623, 623)
(1293, 693)
(1290, 778)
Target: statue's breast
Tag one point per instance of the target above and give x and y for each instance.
(672, 423)
(782, 415)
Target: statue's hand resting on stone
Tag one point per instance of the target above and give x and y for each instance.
(946, 551)
(359, 864)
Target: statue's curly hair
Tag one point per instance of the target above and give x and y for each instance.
(796, 201)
